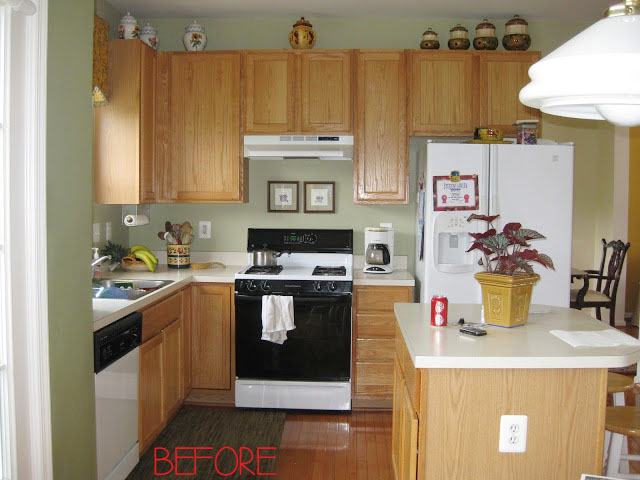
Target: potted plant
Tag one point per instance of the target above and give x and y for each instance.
(509, 277)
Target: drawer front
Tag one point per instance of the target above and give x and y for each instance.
(157, 317)
(375, 326)
(374, 379)
(379, 350)
(380, 299)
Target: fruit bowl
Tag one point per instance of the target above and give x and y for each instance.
(490, 134)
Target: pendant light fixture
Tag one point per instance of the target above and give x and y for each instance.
(596, 74)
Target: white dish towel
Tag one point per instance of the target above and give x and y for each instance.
(277, 317)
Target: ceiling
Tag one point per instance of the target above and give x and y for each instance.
(581, 10)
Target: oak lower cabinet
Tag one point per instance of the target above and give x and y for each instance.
(381, 143)
(198, 124)
(123, 144)
(404, 439)
(213, 349)
(161, 371)
(373, 344)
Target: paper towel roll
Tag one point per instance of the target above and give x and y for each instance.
(136, 220)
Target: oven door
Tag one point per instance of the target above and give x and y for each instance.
(318, 349)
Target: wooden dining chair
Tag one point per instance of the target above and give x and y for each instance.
(604, 294)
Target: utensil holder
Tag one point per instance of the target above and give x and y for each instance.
(179, 256)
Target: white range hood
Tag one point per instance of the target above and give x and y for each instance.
(279, 147)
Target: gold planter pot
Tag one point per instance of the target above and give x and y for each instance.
(506, 298)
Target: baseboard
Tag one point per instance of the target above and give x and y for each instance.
(202, 396)
(371, 403)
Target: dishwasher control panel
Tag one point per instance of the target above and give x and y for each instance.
(116, 340)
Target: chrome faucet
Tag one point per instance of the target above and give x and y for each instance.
(98, 261)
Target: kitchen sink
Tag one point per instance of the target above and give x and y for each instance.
(128, 289)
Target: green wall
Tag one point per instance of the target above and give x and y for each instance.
(69, 133)
(594, 150)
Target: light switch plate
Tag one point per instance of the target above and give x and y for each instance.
(96, 233)
(204, 229)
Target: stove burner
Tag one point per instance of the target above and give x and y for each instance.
(334, 271)
(265, 269)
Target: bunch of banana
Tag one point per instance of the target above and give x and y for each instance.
(143, 253)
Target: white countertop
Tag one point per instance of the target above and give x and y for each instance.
(397, 278)
(106, 311)
(528, 346)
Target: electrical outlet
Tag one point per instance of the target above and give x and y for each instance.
(513, 433)
(96, 233)
(107, 231)
(204, 229)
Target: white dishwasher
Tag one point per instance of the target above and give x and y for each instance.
(116, 352)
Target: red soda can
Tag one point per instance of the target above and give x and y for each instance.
(439, 307)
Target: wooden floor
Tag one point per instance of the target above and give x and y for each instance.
(328, 446)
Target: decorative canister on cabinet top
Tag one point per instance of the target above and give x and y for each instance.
(517, 37)
(459, 38)
(128, 27)
(430, 40)
(149, 35)
(302, 35)
(485, 36)
(195, 39)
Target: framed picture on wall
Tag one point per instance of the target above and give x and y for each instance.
(319, 197)
(282, 196)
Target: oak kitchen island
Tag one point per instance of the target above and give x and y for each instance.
(450, 391)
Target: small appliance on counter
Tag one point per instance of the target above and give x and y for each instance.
(378, 245)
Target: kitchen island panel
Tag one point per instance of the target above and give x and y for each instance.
(462, 410)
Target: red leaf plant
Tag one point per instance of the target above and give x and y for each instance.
(507, 252)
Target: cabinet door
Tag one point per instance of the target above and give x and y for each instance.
(123, 159)
(211, 326)
(269, 92)
(172, 368)
(441, 100)
(204, 161)
(381, 167)
(502, 76)
(404, 433)
(186, 340)
(150, 406)
(325, 92)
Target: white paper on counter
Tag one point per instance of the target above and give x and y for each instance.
(596, 338)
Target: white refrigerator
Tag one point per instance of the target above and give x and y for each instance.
(530, 184)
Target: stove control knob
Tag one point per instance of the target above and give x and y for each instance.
(252, 286)
(333, 287)
(265, 287)
(317, 286)
(312, 238)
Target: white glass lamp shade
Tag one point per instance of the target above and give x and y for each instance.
(595, 75)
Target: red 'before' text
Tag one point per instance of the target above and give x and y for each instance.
(242, 460)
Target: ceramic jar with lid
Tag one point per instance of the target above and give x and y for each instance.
(302, 35)
(128, 27)
(517, 36)
(430, 40)
(485, 36)
(458, 38)
(195, 39)
(149, 35)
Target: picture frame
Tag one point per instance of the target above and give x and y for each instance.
(319, 197)
(282, 196)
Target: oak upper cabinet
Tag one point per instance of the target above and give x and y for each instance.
(212, 339)
(269, 92)
(325, 91)
(502, 76)
(381, 164)
(123, 144)
(199, 127)
(441, 99)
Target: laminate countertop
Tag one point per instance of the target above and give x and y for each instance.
(106, 311)
(528, 346)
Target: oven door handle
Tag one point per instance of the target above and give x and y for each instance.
(296, 299)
